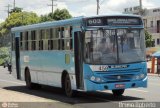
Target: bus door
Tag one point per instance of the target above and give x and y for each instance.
(78, 60)
(17, 55)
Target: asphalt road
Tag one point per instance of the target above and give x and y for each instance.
(13, 90)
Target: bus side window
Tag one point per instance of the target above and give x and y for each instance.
(67, 38)
(42, 36)
(55, 38)
(62, 38)
(47, 35)
(50, 39)
(26, 40)
(33, 40)
(21, 41)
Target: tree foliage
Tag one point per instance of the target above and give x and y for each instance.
(4, 54)
(57, 15)
(148, 38)
(60, 14)
(45, 18)
(21, 18)
(17, 19)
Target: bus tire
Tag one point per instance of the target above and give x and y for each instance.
(118, 92)
(28, 81)
(67, 87)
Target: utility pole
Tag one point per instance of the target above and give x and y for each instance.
(140, 4)
(53, 5)
(14, 4)
(8, 8)
(98, 7)
(141, 8)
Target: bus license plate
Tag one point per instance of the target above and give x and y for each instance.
(119, 85)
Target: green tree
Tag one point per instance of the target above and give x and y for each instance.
(2, 29)
(57, 15)
(14, 20)
(148, 38)
(45, 18)
(21, 18)
(4, 54)
(60, 14)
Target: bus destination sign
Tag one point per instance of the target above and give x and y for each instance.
(95, 22)
(109, 21)
(122, 21)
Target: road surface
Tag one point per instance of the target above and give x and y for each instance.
(14, 91)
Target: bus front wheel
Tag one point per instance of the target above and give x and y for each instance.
(118, 92)
(67, 87)
(28, 81)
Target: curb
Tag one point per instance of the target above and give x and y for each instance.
(152, 74)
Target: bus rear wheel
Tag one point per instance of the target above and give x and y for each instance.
(67, 87)
(118, 92)
(28, 81)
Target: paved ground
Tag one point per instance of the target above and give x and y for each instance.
(12, 90)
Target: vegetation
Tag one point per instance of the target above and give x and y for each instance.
(18, 18)
(148, 38)
(60, 14)
(57, 15)
(4, 55)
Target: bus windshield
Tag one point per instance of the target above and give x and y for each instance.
(114, 46)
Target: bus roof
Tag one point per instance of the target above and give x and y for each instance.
(115, 15)
(64, 22)
(48, 24)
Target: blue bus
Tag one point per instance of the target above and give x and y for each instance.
(82, 54)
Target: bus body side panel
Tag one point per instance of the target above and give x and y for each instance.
(46, 67)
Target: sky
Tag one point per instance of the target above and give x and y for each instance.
(75, 7)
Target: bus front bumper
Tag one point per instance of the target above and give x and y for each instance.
(92, 86)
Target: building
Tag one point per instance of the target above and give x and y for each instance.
(132, 10)
(151, 18)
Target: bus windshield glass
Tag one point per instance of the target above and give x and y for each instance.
(114, 46)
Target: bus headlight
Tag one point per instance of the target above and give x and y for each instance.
(98, 79)
(142, 76)
(93, 78)
(137, 77)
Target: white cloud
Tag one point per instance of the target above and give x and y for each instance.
(77, 14)
(148, 4)
(77, 7)
(47, 9)
(117, 6)
(90, 9)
